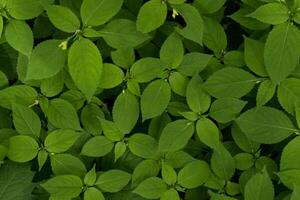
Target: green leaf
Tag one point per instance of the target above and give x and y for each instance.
(89, 118)
(265, 92)
(194, 174)
(42, 158)
(288, 94)
(63, 18)
(123, 57)
(230, 82)
(289, 157)
(63, 186)
(224, 110)
(197, 99)
(85, 66)
(22, 148)
(145, 169)
(168, 173)
(3, 79)
(122, 33)
(290, 177)
(95, 12)
(171, 194)
(91, 177)
(296, 193)
(155, 99)
(178, 83)
(222, 163)
(91, 147)
(111, 130)
(126, 111)
(120, 149)
(52, 86)
(46, 60)
(214, 36)
(271, 13)
(193, 63)
(16, 181)
(178, 159)
(19, 35)
(259, 187)
(194, 23)
(281, 52)
(26, 121)
(1, 26)
(151, 16)
(209, 6)
(180, 131)
(17, 94)
(111, 76)
(62, 164)
(265, 125)
(244, 161)
(60, 140)
(113, 180)
(254, 56)
(172, 50)
(62, 114)
(25, 9)
(146, 69)
(151, 188)
(143, 145)
(208, 132)
(93, 194)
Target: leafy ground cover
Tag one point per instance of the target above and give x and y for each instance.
(158, 99)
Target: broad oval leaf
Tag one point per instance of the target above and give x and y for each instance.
(288, 94)
(113, 180)
(208, 132)
(290, 153)
(143, 145)
(97, 147)
(151, 188)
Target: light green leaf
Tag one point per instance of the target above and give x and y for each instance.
(143, 145)
(93, 194)
(171, 194)
(197, 99)
(64, 186)
(271, 13)
(178, 159)
(208, 6)
(25, 9)
(146, 69)
(126, 111)
(85, 66)
(111, 130)
(265, 92)
(224, 110)
(178, 83)
(151, 16)
(180, 131)
(194, 174)
(42, 158)
(22, 148)
(63, 18)
(155, 99)
(222, 163)
(62, 114)
(113, 180)
(52, 86)
(123, 57)
(290, 177)
(17, 94)
(208, 132)
(62, 164)
(289, 157)
(168, 174)
(111, 76)
(26, 121)
(97, 12)
(122, 33)
(254, 56)
(60, 140)
(91, 147)
(120, 149)
(259, 187)
(194, 23)
(46, 60)
(296, 193)
(151, 188)
(244, 161)
(265, 125)
(288, 94)
(172, 50)
(281, 52)
(91, 177)
(193, 63)
(89, 118)
(230, 82)
(19, 35)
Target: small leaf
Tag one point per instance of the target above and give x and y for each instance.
(288, 94)
(171, 194)
(120, 149)
(194, 174)
(208, 132)
(151, 188)
(265, 92)
(155, 99)
(111, 76)
(145, 169)
(113, 180)
(25, 9)
(42, 158)
(143, 145)
(91, 177)
(22, 148)
(151, 16)
(111, 130)
(91, 147)
(93, 194)
(169, 175)
(208, 7)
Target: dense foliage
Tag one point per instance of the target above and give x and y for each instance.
(158, 99)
